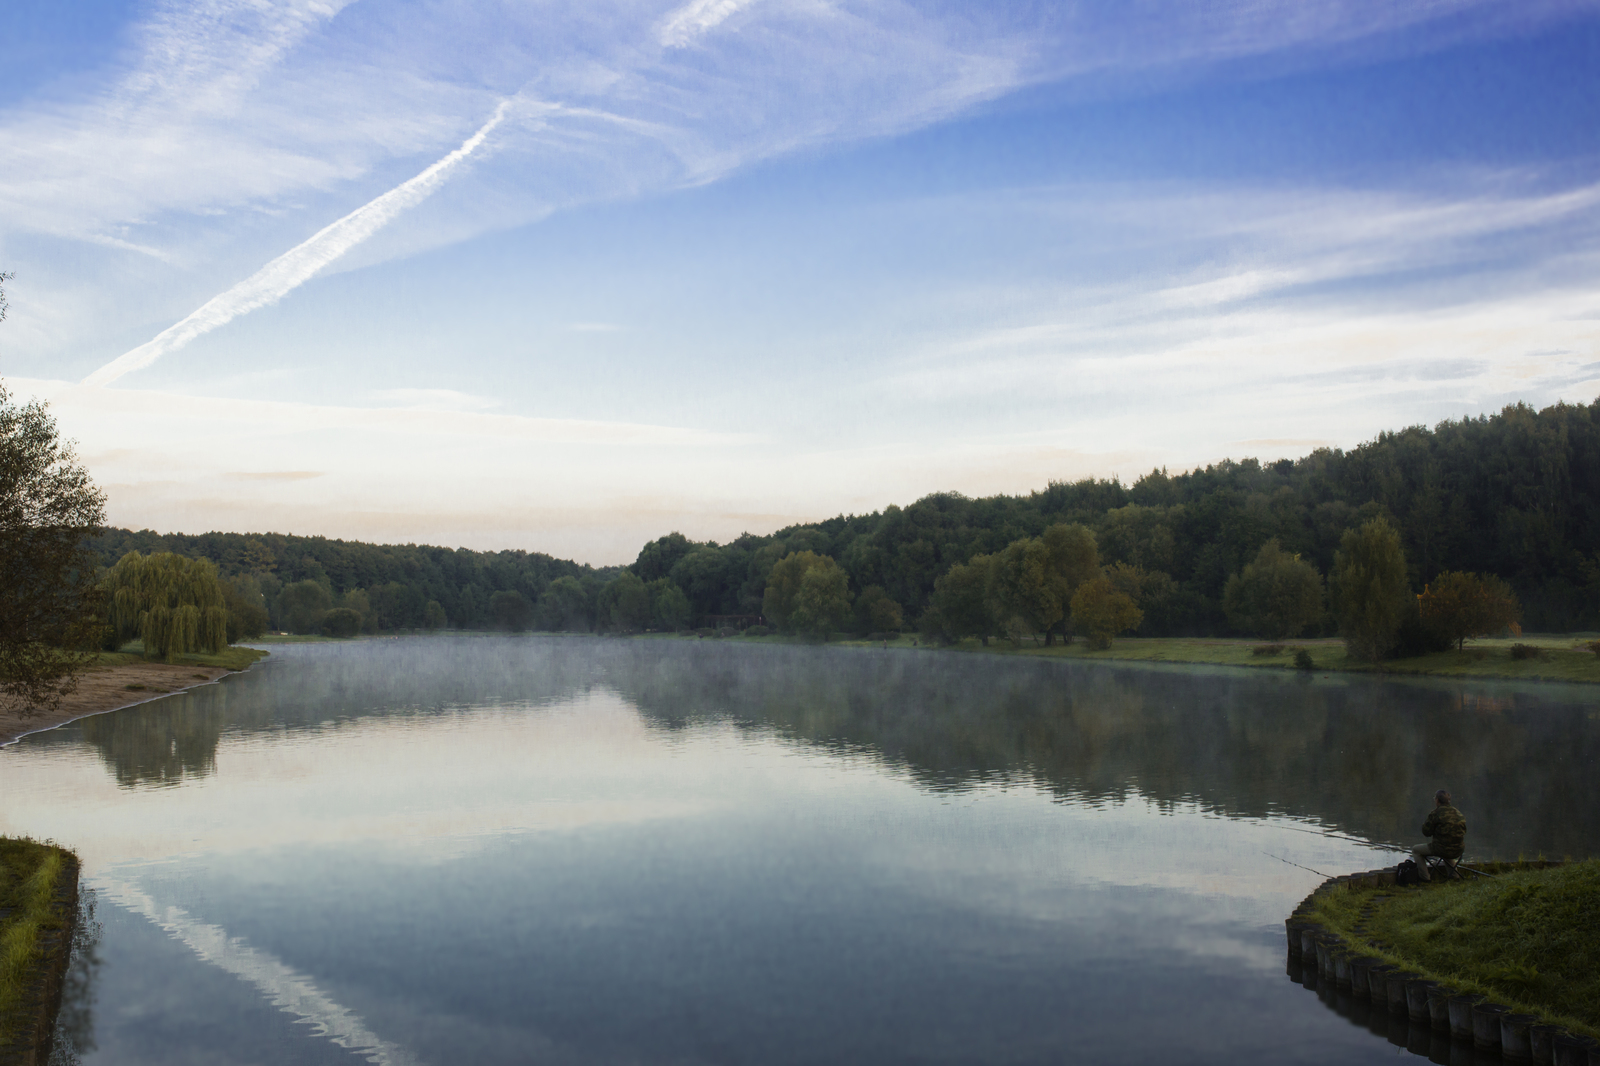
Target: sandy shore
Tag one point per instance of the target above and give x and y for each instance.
(109, 688)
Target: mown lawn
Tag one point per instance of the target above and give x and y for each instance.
(1527, 938)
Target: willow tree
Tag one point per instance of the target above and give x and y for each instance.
(174, 604)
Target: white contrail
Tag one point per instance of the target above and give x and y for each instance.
(288, 989)
(294, 267)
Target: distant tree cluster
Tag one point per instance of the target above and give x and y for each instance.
(320, 585)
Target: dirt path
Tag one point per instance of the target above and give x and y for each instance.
(109, 688)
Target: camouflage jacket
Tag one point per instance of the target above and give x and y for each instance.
(1448, 830)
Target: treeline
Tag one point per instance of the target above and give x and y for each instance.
(1515, 495)
(295, 583)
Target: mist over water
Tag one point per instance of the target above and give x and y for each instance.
(515, 849)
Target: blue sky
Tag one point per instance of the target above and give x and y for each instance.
(565, 276)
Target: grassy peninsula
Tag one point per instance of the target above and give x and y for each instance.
(33, 930)
(1527, 938)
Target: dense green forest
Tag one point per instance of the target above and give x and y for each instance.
(1515, 494)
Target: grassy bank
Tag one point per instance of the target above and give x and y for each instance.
(234, 657)
(30, 874)
(1526, 938)
(1557, 658)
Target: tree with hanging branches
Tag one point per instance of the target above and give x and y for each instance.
(175, 605)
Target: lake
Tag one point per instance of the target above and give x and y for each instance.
(563, 850)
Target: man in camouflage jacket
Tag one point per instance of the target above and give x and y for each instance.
(1449, 832)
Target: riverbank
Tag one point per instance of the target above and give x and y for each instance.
(1554, 658)
(39, 904)
(1525, 937)
(123, 679)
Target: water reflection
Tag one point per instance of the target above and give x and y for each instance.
(584, 850)
(1400, 1030)
(1356, 754)
(74, 1031)
(1359, 755)
(163, 743)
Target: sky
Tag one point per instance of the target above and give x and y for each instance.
(565, 276)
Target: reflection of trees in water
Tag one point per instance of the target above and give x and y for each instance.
(1360, 754)
(161, 742)
(74, 1032)
(1363, 755)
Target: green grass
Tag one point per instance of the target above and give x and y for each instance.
(1527, 938)
(29, 872)
(233, 657)
(1562, 658)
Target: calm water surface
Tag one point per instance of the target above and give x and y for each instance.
(574, 850)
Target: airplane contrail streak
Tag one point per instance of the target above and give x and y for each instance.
(296, 266)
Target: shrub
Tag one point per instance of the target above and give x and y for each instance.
(1526, 651)
(1594, 646)
(1302, 660)
(756, 631)
(341, 622)
(1267, 649)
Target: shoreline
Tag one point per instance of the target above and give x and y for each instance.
(103, 689)
(1367, 935)
(1561, 658)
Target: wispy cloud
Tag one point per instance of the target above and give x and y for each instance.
(693, 19)
(298, 265)
(234, 120)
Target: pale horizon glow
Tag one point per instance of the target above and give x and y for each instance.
(723, 266)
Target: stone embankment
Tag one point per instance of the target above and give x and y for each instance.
(1430, 1018)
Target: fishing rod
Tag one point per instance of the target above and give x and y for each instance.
(1337, 836)
(1368, 843)
(1307, 869)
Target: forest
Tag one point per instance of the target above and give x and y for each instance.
(1514, 495)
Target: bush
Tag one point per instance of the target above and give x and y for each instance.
(1416, 636)
(341, 622)
(756, 631)
(1526, 651)
(1267, 649)
(1277, 595)
(1302, 660)
(1594, 646)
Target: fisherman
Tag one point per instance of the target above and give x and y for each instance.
(1449, 832)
